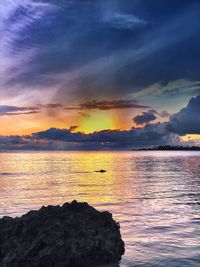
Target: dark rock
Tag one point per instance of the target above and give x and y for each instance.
(101, 171)
(74, 235)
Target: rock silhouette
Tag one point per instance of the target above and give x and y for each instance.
(74, 235)
(101, 171)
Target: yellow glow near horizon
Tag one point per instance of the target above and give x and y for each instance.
(95, 121)
(98, 121)
(191, 137)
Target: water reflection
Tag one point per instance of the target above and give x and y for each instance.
(154, 195)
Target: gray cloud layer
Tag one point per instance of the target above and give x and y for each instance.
(107, 105)
(14, 110)
(79, 49)
(186, 121)
(146, 117)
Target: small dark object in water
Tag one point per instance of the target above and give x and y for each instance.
(101, 171)
(74, 235)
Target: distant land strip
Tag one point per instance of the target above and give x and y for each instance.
(173, 148)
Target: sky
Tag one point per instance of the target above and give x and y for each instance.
(99, 74)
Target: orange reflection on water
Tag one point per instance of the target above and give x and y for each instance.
(95, 187)
(30, 180)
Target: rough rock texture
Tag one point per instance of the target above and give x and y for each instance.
(69, 236)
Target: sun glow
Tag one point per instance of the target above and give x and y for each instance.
(98, 121)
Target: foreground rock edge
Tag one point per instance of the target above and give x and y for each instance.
(72, 235)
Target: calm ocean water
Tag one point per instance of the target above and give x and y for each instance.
(154, 195)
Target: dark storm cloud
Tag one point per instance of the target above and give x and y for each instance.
(20, 113)
(60, 135)
(14, 110)
(64, 139)
(137, 137)
(92, 48)
(186, 121)
(146, 117)
(107, 105)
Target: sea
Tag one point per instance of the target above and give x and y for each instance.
(154, 195)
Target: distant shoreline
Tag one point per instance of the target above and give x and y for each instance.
(170, 148)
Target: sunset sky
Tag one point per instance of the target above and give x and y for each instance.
(76, 74)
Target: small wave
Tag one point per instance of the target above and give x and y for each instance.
(160, 228)
(192, 203)
(190, 195)
(81, 172)
(6, 173)
(11, 173)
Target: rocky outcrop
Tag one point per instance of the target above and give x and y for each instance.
(74, 235)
